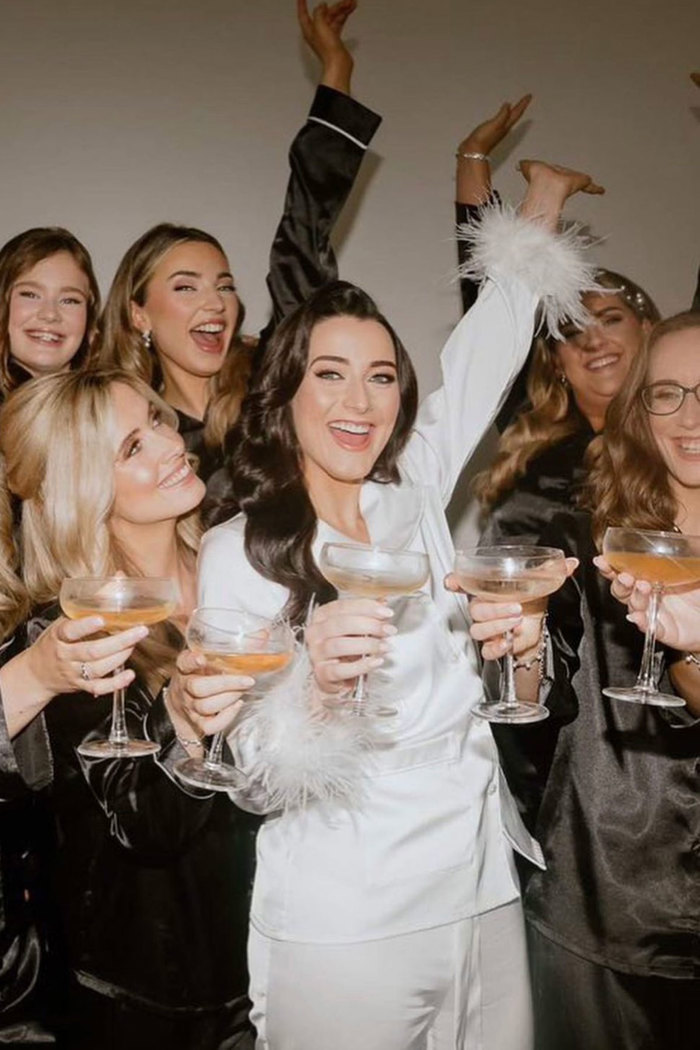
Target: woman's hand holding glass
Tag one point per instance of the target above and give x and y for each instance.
(204, 703)
(678, 622)
(68, 658)
(345, 639)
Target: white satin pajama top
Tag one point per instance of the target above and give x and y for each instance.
(430, 842)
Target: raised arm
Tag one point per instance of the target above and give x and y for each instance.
(522, 262)
(473, 177)
(324, 158)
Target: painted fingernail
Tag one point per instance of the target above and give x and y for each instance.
(385, 610)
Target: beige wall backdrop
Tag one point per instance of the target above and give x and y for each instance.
(120, 113)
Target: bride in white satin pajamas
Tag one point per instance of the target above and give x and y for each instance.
(385, 911)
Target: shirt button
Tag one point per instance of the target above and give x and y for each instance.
(493, 787)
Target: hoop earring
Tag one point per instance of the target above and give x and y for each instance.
(146, 340)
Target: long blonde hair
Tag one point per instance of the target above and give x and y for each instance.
(627, 483)
(122, 345)
(57, 440)
(553, 415)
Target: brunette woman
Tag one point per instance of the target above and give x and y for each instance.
(612, 787)
(49, 305)
(151, 884)
(384, 878)
(173, 316)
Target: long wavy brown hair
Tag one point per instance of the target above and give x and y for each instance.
(57, 438)
(18, 256)
(553, 414)
(264, 455)
(122, 345)
(628, 482)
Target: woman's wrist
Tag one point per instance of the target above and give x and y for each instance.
(337, 72)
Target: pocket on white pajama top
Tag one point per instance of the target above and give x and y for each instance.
(422, 820)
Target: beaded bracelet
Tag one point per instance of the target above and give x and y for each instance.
(539, 657)
(692, 658)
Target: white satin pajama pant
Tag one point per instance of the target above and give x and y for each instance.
(463, 986)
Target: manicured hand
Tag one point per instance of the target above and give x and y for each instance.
(347, 638)
(206, 701)
(67, 658)
(678, 623)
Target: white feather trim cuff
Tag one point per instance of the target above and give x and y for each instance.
(293, 750)
(502, 243)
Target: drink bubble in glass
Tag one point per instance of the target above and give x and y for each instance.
(664, 559)
(510, 574)
(232, 642)
(361, 571)
(122, 602)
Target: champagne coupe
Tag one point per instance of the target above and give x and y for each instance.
(362, 571)
(232, 642)
(122, 602)
(510, 574)
(665, 559)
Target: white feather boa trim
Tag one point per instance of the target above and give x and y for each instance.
(294, 750)
(502, 243)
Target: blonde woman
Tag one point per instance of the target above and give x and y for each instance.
(172, 315)
(538, 467)
(150, 884)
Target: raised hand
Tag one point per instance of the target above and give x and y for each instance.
(487, 135)
(322, 31)
(549, 186)
(567, 181)
(474, 175)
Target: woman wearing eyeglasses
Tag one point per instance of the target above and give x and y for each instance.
(611, 787)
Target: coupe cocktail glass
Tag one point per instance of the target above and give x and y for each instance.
(232, 642)
(510, 574)
(362, 571)
(665, 559)
(122, 602)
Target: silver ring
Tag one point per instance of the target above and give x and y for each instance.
(84, 673)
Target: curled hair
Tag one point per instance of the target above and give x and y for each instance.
(628, 483)
(57, 440)
(18, 256)
(122, 345)
(264, 454)
(553, 414)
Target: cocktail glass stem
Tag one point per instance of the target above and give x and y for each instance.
(118, 735)
(216, 747)
(359, 695)
(508, 697)
(647, 674)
